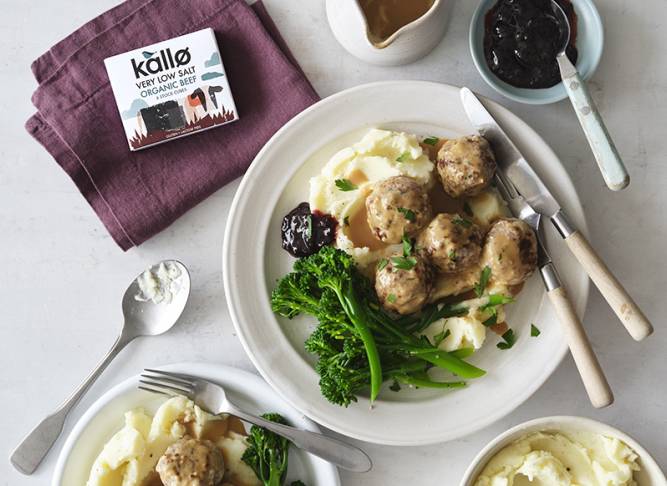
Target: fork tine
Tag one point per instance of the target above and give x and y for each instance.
(169, 381)
(183, 378)
(183, 391)
(505, 187)
(152, 390)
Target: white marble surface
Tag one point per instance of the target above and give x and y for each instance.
(63, 276)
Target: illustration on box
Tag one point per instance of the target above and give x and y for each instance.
(171, 89)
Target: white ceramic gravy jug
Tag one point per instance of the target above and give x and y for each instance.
(409, 43)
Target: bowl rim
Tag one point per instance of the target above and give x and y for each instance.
(555, 421)
(507, 90)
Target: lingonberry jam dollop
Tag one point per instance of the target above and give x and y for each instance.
(304, 232)
(522, 39)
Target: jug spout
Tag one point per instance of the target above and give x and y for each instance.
(376, 31)
(387, 20)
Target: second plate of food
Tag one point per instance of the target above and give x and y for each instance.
(131, 437)
(377, 280)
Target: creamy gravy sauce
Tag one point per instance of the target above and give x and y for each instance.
(443, 203)
(385, 17)
(359, 233)
(357, 177)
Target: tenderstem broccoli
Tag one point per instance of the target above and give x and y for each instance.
(267, 453)
(357, 343)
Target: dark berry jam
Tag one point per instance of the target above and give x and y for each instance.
(304, 233)
(522, 39)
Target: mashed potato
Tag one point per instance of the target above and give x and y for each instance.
(560, 459)
(379, 155)
(130, 456)
(466, 331)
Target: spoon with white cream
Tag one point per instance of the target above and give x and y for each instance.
(152, 305)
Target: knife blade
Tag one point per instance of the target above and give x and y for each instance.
(508, 157)
(518, 171)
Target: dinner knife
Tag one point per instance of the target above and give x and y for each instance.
(517, 169)
(592, 376)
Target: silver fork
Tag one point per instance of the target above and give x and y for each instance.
(212, 398)
(587, 363)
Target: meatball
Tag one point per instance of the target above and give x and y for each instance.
(191, 462)
(466, 165)
(397, 206)
(510, 250)
(403, 284)
(451, 242)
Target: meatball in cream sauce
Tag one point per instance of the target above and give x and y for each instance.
(510, 250)
(191, 462)
(452, 243)
(397, 206)
(403, 290)
(466, 165)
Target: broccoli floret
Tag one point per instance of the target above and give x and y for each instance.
(333, 271)
(296, 293)
(267, 453)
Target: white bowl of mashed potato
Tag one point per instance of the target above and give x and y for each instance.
(563, 451)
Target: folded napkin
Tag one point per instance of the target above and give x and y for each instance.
(138, 194)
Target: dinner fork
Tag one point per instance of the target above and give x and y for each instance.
(591, 373)
(212, 398)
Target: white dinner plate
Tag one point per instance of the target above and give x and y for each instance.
(105, 417)
(253, 260)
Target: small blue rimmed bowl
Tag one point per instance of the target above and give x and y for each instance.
(590, 39)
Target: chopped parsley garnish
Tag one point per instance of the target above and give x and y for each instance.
(409, 214)
(391, 298)
(395, 386)
(483, 281)
(404, 157)
(407, 246)
(345, 185)
(346, 221)
(534, 331)
(496, 300)
(509, 338)
(431, 140)
(404, 263)
(452, 255)
(440, 337)
(467, 209)
(382, 263)
(491, 320)
(466, 223)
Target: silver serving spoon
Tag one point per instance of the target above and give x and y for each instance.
(141, 319)
(609, 161)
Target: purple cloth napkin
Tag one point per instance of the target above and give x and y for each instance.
(138, 194)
